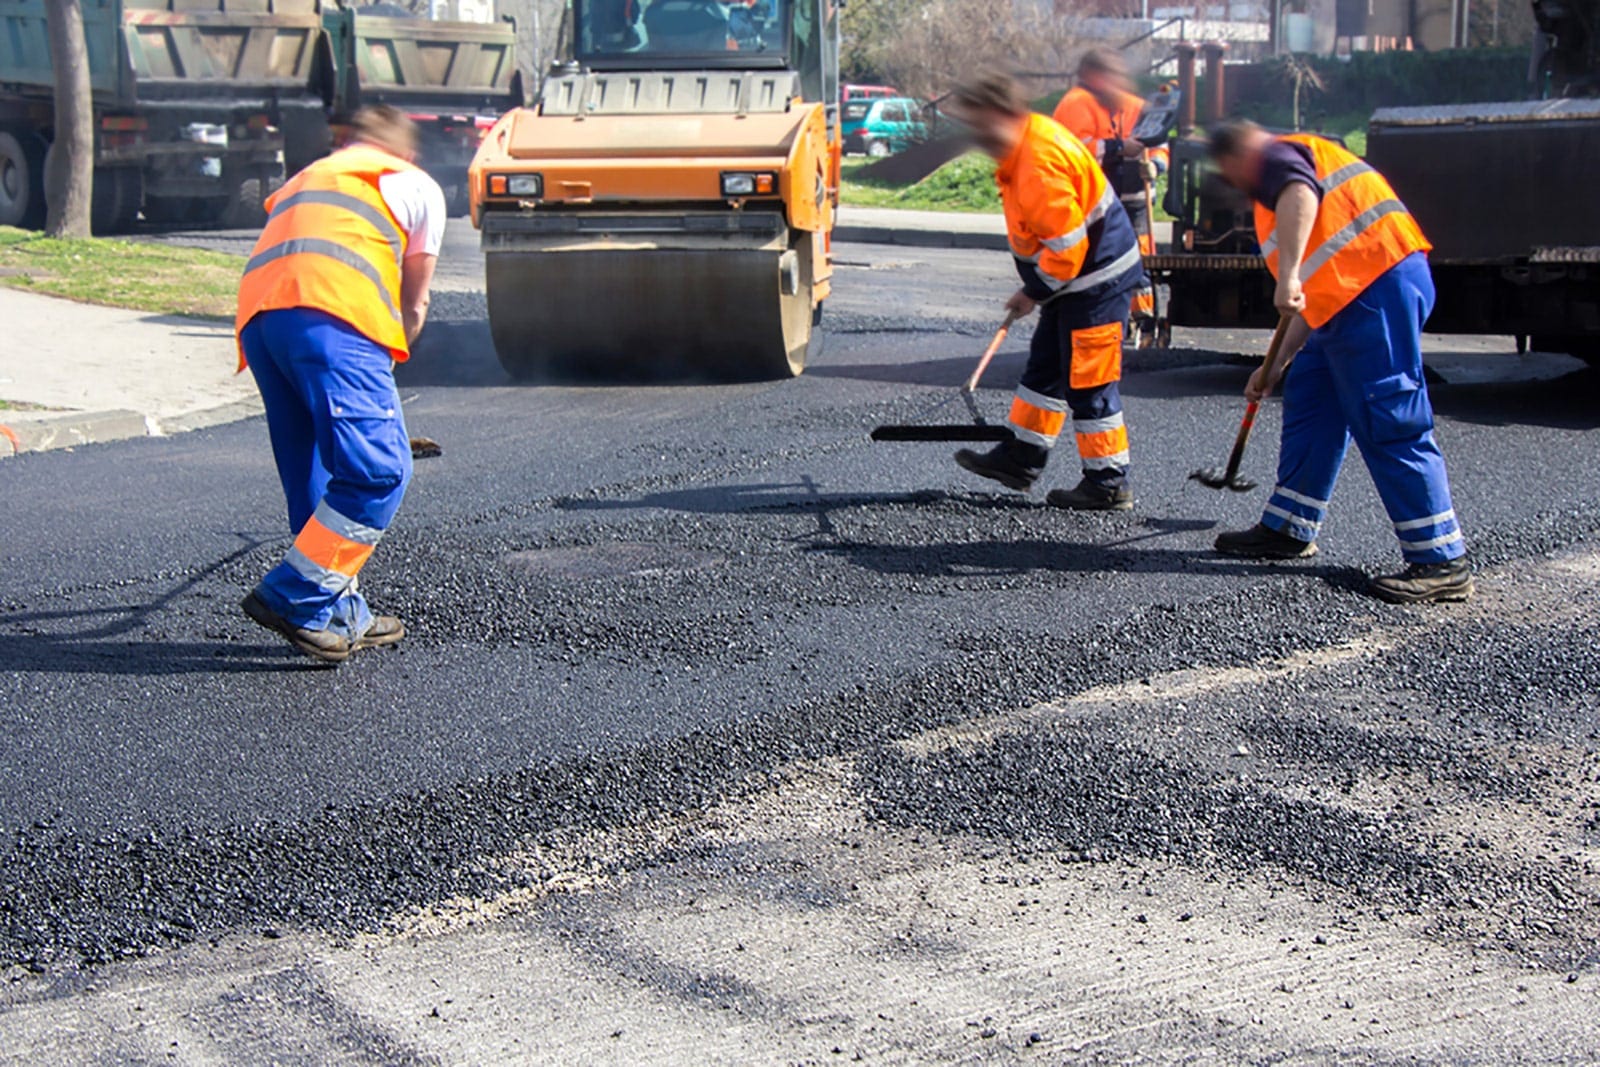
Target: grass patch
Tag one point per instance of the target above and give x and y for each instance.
(162, 279)
(963, 184)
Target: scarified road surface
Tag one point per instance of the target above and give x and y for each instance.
(725, 733)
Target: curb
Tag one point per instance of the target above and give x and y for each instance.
(45, 433)
(919, 238)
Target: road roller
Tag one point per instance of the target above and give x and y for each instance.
(664, 209)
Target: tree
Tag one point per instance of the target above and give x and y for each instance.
(69, 170)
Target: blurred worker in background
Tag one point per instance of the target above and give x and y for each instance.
(1351, 266)
(1103, 112)
(1079, 259)
(333, 295)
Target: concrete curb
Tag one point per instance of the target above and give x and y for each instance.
(919, 238)
(43, 433)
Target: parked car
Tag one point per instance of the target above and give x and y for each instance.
(889, 125)
(854, 103)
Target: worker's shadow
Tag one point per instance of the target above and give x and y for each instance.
(957, 559)
(110, 639)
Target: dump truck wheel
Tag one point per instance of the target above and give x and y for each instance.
(118, 192)
(246, 208)
(21, 180)
(735, 315)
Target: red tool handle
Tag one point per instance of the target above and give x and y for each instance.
(1249, 420)
(989, 353)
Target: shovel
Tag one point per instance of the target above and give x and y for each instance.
(977, 429)
(1217, 478)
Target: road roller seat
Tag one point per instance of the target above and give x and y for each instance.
(687, 25)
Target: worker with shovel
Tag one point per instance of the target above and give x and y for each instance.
(1079, 261)
(1103, 113)
(1352, 270)
(332, 296)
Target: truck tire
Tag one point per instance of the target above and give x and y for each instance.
(21, 179)
(247, 206)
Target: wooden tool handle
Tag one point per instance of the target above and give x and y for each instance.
(1274, 349)
(989, 353)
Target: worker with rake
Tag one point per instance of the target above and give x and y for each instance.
(1352, 276)
(1079, 260)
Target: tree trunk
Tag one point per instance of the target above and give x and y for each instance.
(69, 173)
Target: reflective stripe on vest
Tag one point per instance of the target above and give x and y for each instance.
(331, 244)
(1361, 230)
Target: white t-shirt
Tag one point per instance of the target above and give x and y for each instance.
(418, 205)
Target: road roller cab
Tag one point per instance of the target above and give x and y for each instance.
(664, 210)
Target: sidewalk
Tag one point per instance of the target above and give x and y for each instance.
(72, 374)
(934, 229)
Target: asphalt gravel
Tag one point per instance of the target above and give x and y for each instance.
(630, 601)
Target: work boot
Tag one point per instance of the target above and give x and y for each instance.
(1092, 496)
(999, 465)
(325, 645)
(1263, 542)
(385, 630)
(1426, 583)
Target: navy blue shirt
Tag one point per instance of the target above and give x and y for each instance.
(1282, 164)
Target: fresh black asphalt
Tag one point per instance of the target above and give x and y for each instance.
(632, 599)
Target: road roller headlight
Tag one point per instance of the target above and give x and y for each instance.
(523, 185)
(748, 183)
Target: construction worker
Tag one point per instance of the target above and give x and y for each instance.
(1351, 266)
(1103, 113)
(333, 295)
(1079, 261)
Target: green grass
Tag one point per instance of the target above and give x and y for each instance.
(162, 279)
(963, 184)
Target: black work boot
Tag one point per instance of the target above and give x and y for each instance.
(1089, 495)
(1000, 465)
(1426, 583)
(1263, 542)
(385, 630)
(325, 645)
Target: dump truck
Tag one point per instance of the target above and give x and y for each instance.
(666, 207)
(453, 76)
(190, 101)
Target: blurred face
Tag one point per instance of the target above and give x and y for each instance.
(1101, 82)
(1242, 168)
(993, 132)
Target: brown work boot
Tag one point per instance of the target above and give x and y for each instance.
(1263, 542)
(325, 645)
(1091, 496)
(385, 630)
(1426, 583)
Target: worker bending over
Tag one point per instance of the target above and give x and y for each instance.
(1351, 264)
(1079, 261)
(333, 295)
(1103, 113)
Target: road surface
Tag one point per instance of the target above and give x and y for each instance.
(725, 734)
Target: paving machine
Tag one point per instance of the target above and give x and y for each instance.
(665, 208)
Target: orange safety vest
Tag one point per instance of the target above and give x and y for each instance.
(332, 244)
(1361, 230)
(1081, 112)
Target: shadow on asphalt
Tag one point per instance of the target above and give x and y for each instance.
(90, 643)
(961, 558)
(1571, 402)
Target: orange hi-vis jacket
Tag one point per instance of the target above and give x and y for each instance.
(333, 245)
(1082, 113)
(1061, 216)
(1361, 230)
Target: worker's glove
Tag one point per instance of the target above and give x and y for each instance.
(1148, 168)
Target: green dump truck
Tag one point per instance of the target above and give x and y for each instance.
(453, 75)
(202, 107)
(190, 101)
